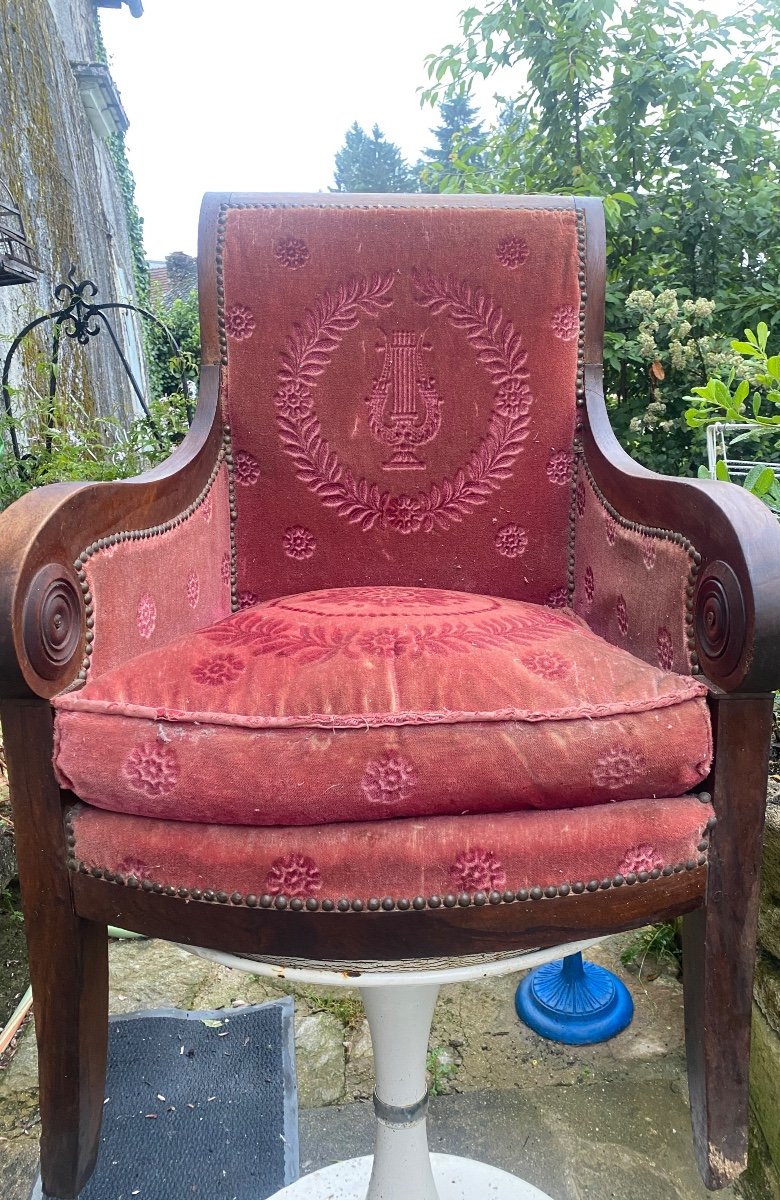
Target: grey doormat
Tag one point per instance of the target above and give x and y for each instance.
(199, 1106)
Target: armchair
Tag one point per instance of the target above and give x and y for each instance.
(399, 656)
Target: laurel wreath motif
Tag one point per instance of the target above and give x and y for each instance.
(307, 353)
(266, 635)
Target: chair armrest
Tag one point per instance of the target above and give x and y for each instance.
(720, 580)
(64, 547)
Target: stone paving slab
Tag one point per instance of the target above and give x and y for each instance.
(477, 1043)
(628, 1139)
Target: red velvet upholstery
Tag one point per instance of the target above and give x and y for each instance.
(633, 584)
(149, 586)
(359, 704)
(400, 386)
(404, 859)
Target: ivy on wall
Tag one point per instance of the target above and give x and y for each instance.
(135, 223)
(126, 181)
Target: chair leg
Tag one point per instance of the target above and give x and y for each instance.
(68, 960)
(719, 943)
(69, 972)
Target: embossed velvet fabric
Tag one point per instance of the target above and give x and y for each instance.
(400, 386)
(151, 586)
(367, 703)
(406, 858)
(631, 583)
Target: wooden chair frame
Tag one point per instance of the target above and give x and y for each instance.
(46, 622)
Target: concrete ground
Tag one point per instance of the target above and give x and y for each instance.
(578, 1122)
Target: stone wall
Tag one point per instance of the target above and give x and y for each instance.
(765, 1058)
(763, 1178)
(63, 178)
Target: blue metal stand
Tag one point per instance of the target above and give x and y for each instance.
(574, 1002)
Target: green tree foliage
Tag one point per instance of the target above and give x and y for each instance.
(670, 114)
(459, 137)
(369, 163)
(165, 367)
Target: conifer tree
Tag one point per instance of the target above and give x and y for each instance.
(460, 128)
(369, 163)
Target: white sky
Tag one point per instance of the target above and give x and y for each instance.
(257, 95)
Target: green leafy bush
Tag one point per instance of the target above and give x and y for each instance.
(758, 374)
(62, 440)
(65, 443)
(760, 481)
(750, 396)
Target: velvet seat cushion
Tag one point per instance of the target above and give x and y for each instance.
(362, 704)
(528, 852)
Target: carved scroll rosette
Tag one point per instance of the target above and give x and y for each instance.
(53, 621)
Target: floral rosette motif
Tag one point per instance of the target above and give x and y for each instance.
(152, 768)
(641, 858)
(219, 669)
(299, 543)
(291, 252)
(511, 541)
(193, 589)
(512, 252)
(589, 585)
(294, 875)
(618, 767)
(477, 869)
(146, 615)
(240, 322)
(665, 647)
(388, 779)
(565, 323)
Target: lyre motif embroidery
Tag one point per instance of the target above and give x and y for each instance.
(402, 380)
(306, 355)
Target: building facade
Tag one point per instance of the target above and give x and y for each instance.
(59, 111)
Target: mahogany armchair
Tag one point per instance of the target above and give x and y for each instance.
(399, 654)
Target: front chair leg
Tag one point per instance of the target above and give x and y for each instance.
(68, 960)
(69, 974)
(719, 942)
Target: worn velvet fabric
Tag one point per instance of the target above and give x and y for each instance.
(631, 584)
(400, 386)
(398, 662)
(406, 858)
(151, 586)
(364, 703)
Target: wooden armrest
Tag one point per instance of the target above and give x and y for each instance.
(44, 621)
(736, 603)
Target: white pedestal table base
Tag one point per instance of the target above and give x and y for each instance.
(455, 1179)
(399, 1006)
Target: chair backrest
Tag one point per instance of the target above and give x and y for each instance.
(399, 375)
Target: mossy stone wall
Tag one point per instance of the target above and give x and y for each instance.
(64, 180)
(763, 1178)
